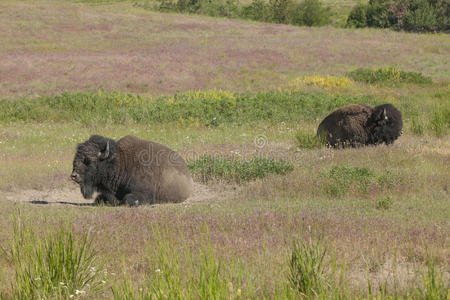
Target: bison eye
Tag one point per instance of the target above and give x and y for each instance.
(86, 161)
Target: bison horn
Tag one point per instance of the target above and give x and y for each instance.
(103, 155)
(384, 114)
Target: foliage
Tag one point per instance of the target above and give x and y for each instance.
(307, 140)
(434, 285)
(191, 107)
(307, 274)
(306, 13)
(314, 14)
(208, 168)
(55, 266)
(409, 15)
(342, 179)
(440, 121)
(358, 16)
(388, 75)
(328, 82)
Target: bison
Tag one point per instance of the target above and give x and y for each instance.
(358, 125)
(130, 171)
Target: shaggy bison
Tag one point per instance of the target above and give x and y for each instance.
(358, 125)
(130, 171)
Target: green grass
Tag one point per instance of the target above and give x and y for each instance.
(342, 179)
(208, 108)
(309, 140)
(380, 213)
(208, 168)
(54, 266)
(307, 271)
(388, 75)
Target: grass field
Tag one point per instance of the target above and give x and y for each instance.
(368, 223)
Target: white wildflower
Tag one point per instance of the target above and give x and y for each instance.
(78, 292)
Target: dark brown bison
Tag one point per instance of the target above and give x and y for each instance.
(130, 171)
(358, 125)
(385, 124)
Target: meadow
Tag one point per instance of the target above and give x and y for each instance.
(275, 214)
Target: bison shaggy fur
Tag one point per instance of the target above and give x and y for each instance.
(130, 171)
(358, 125)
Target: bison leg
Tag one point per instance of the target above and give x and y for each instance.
(106, 198)
(133, 199)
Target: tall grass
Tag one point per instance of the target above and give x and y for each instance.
(54, 266)
(308, 140)
(307, 271)
(175, 275)
(434, 285)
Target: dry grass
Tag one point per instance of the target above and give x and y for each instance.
(53, 46)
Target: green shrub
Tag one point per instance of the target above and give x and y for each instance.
(257, 10)
(410, 15)
(358, 16)
(209, 168)
(314, 14)
(309, 140)
(307, 273)
(55, 266)
(306, 13)
(388, 75)
(280, 11)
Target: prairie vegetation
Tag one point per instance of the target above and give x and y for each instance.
(283, 217)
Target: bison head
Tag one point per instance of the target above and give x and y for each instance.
(385, 124)
(89, 159)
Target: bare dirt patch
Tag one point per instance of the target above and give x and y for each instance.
(72, 196)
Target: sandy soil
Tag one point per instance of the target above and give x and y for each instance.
(72, 196)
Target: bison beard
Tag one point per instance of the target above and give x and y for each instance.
(130, 171)
(358, 125)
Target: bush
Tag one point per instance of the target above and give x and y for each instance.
(306, 13)
(358, 16)
(388, 75)
(257, 10)
(209, 168)
(410, 15)
(314, 14)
